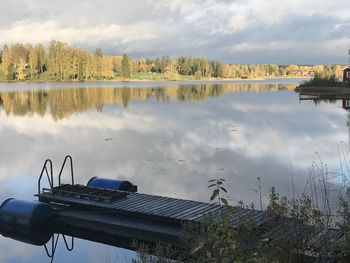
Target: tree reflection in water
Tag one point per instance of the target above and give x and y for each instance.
(62, 103)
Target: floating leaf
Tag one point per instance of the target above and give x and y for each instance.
(211, 185)
(213, 180)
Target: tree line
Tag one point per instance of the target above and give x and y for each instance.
(60, 61)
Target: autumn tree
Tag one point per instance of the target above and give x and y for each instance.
(52, 59)
(19, 55)
(107, 67)
(6, 62)
(171, 71)
(60, 61)
(117, 65)
(33, 61)
(141, 65)
(41, 58)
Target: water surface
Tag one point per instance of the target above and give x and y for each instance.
(167, 138)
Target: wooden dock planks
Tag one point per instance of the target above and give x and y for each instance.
(153, 218)
(162, 209)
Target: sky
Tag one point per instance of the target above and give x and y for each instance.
(233, 31)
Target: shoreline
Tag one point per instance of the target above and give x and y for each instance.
(149, 80)
(324, 89)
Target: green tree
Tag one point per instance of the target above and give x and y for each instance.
(182, 66)
(216, 68)
(126, 70)
(98, 61)
(165, 63)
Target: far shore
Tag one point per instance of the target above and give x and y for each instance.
(150, 80)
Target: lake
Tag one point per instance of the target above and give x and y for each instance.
(169, 138)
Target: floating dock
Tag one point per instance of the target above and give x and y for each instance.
(117, 214)
(112, 216)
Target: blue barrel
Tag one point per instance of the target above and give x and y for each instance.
(104, 183)
(26, 221)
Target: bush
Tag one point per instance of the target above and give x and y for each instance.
(320, 81)
(343, 248)
(217, 241)
(197, 75)
(169, 75)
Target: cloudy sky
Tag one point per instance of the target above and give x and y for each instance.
(234, 31)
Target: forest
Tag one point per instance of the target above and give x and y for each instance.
(61, 62)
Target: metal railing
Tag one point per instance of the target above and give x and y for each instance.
(49, 174)
(68, 157)
(48, 170)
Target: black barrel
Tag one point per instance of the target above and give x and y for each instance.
(111, 184)
(26, 221)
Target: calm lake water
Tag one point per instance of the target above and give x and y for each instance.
(169, 139)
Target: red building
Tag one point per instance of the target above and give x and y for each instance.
(346, 74)
(346, 104)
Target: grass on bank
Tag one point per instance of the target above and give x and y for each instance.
(161, 76)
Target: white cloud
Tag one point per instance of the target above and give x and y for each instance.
(249, 47)
(198, 27)
(326, 48)
(237, 22)
(94, 35)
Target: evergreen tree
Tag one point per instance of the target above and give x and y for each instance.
(126, 70)
(98, 61)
